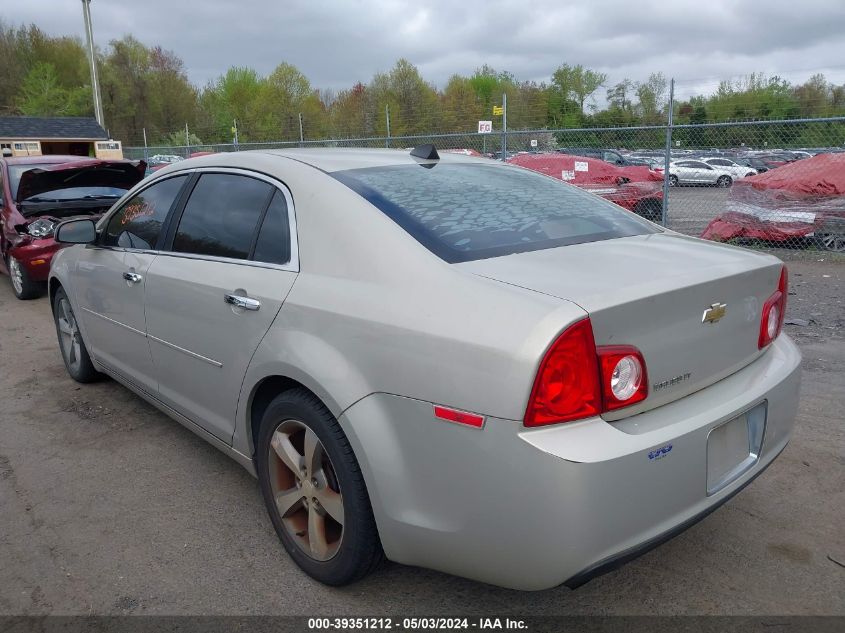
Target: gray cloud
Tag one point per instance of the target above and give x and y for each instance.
(338, 43)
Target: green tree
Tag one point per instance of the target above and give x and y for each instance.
(282, 98)
(651, 95)
(41, 94)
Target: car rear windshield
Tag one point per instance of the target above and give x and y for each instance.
(474, 211)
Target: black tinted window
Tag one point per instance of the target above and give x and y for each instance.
(221, 216)
(472, 211)
(273, 245)
(138, 222)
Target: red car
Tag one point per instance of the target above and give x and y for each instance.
(635, 188)
(803, 200)
(40, 191)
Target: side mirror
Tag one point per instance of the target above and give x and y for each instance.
(81, 231)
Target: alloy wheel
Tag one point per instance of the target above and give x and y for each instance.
(306, 490)
(833, 242)
(16, 274)
(70, 338)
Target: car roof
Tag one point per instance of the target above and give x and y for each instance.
(330, 159)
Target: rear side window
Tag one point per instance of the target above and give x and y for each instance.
(138, 222)
(221, 216)
(473, 211)
(273, 244)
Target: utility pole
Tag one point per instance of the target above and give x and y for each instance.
(92, 60)
(666, 158)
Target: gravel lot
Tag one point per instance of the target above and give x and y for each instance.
(109, 507)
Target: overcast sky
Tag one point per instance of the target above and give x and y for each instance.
(336, 43)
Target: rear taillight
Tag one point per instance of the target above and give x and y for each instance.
(774, 312)
(624, 380)
(577, 380)
(567, 385)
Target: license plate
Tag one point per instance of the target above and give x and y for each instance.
(734, 447)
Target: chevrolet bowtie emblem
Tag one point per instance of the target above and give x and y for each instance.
(715, 312)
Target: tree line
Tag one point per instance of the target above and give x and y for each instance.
(146, 90)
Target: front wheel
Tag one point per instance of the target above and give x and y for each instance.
(314, 490)
(673, 180)
(724, 182)
(22, 285)
(74, 353)
(834, 242)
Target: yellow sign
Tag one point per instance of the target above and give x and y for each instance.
(498, 110)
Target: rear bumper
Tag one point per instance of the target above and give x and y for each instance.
(531, 509)
(620, 559)
(36, 256)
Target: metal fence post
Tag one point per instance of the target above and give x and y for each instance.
(504, 126)
(187, 142)
(666, 158)
(387, 120)
(146, 153)
(301, 135)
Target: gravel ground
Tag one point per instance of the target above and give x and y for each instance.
(109, 507)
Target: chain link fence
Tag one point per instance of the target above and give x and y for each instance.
(769, 184)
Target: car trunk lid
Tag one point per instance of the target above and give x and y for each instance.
(652, 292)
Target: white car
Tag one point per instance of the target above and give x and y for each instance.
(736, 170)
(698, 172)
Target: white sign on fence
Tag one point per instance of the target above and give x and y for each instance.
(533, 142)
(485, 127)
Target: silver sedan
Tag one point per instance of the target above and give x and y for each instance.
(440, 360)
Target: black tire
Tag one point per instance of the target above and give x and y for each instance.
(749, 174)
(673, 180)
(80, 367)
(724, 182)
(651, 209)
(359, 552)
(22, 285)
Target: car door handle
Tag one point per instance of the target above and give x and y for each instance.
(132, 278)
(247, 303)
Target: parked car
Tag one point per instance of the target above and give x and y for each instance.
(608, 155)
(635, 188)
(758, 164)
(698, 172)
(800, 201)
(38, 192)
(735, 170)
(444, 360)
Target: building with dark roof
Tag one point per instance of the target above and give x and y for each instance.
(31, 135)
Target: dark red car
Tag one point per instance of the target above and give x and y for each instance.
(633, 187)
(40, 191)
